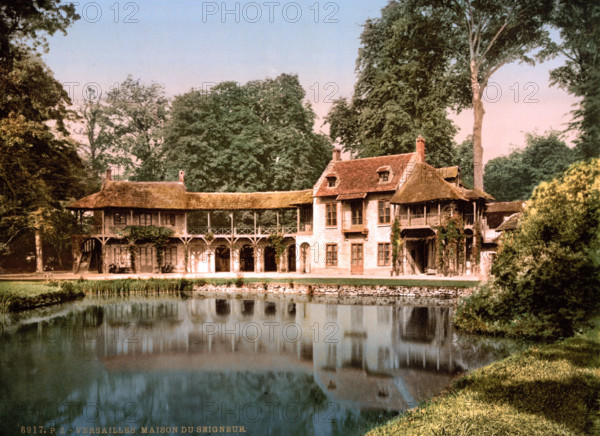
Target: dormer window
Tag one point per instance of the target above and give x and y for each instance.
(385, 174)
(331, 181)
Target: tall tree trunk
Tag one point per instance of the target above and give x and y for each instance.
(478, 113)
(39, 255)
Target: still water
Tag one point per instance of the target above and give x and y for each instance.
(266, 365)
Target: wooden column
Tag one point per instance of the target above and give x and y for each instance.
(298, 219)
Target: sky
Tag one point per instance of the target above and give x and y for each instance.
(196, 44)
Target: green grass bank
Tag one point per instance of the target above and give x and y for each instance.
(551, 389)
(18, 296)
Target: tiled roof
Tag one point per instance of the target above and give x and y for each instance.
(173, 196)
(423, 184)
(360, 175)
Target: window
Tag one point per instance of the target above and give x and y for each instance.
(145, 219)
(170, 256)
(331, 215)
(384, 176)
(120, 219)
(356, 210)
(384, 212)
(121, 256)
(331, 181)
(168, 219)
(331, 258)
(383, 254)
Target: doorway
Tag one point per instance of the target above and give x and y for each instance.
(357, 259)
(222, 259)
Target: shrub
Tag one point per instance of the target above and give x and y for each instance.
(547, 276)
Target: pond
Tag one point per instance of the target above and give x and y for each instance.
(255, 364)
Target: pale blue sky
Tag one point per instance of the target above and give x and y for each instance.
(184, 44)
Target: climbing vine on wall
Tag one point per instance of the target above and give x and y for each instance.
(451, 241)
(477, 239)
(275, 240)
(157, 236)
(396, 242)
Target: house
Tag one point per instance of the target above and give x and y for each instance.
(342, 226)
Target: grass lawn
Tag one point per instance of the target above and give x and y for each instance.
(549, 389)
(16, 296)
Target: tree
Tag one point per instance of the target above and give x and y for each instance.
(27, 21)
(579, 24)
(96, 128)
(492, 34)
(402, 89)
(254, 137)
(515, 176)
(39, 165)
(128, 126)
(463, 157)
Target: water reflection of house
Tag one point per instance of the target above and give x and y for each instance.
(371, 356)
(341, 226)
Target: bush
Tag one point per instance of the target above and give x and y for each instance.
(547, 277)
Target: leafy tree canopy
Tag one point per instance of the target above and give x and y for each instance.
(488, 35)
(403, 88)
(578, 22)
(254, 137)
(28, 21)
(515, 176)
(463, 157)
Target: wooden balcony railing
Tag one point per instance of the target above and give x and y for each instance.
(355, 226)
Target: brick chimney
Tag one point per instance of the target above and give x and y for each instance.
(421, 149)
(337, 154)
(108, 176)
(182, 177)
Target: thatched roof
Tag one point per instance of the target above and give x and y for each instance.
(474, 194)
(253, 200)
(136, 195)
(423, 184)
(174, 196)
(511, 223)
(358, 176)
(449, 172)
(505, 207)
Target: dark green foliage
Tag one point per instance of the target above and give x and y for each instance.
(28, 21)
(515, 176)
(254, 137)
(402, 89)
(547, 273)
(396, 243)
(463, 158)
(578, 22)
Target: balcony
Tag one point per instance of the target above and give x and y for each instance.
(355, 226)
(417, 220)
(420, 220)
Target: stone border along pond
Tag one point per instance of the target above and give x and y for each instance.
(338, 293)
